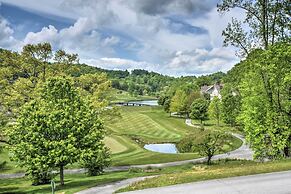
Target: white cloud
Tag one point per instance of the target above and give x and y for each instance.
(201, 61)
(79, 38)
(6, 36)
(141, 28)
(121, 64)
(195, 62)
(215, 23)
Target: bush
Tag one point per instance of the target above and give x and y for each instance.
(135, 170)
(186, 144)
(96, 163)
(3, 165)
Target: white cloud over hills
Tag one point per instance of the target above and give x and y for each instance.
(174, 37)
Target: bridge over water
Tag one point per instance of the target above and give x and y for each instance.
(138, 103)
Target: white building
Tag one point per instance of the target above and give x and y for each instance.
(213, 90)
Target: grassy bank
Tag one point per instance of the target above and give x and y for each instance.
(73, 183)
(78, 182)
(137, 126)
(220, 169)
(140, 125)
(168, 176)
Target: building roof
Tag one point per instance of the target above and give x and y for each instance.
(205, 89)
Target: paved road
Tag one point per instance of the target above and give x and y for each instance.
(112, 187)
(271, 183)
(244, 152)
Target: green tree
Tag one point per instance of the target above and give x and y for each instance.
(266, 107)
(199, 109)
(210, 144)
(267, 23)
(214, 109)
(55, 130)
(38, 54)
(65, 58)
(230, 108)
(179, 102)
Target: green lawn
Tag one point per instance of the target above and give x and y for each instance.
(169, 176)
(10, 166)
(220, 169)
(151, 125)
(73, 183)
(139, 125)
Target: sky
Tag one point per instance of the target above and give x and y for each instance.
(172, 37)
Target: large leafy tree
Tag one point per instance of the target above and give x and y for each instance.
(199, 109)
(267, 22)
(266, 107)
(179, 102)
(57, 129)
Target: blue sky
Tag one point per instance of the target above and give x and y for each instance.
(173, 37)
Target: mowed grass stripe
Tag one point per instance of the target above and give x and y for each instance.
(137, 123)
(152, 125)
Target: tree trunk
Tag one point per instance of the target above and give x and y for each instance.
(62, 175)
(286, 152)
(44, 71)
(209, 160)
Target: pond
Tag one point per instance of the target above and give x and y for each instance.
(167, 148)
(146, 102)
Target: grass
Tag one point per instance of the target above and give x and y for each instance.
(168, 176)
(220, 169)
(140, 125)
(73, 183)
(78, 182)
(10, 166)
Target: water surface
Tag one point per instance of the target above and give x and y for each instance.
(167, 148)
(146, 102)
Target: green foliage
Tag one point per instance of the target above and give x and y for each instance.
(267, 23)
(266, 101)
(186, 144)
(214, 109)
(209, 79)
(179, 102)
(54, 130)
(64, 58)
(230, 107)
(199, 109)
(210, 144)
(95, 161)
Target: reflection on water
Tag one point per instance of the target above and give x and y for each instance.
(168, 148)
(146, 102)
